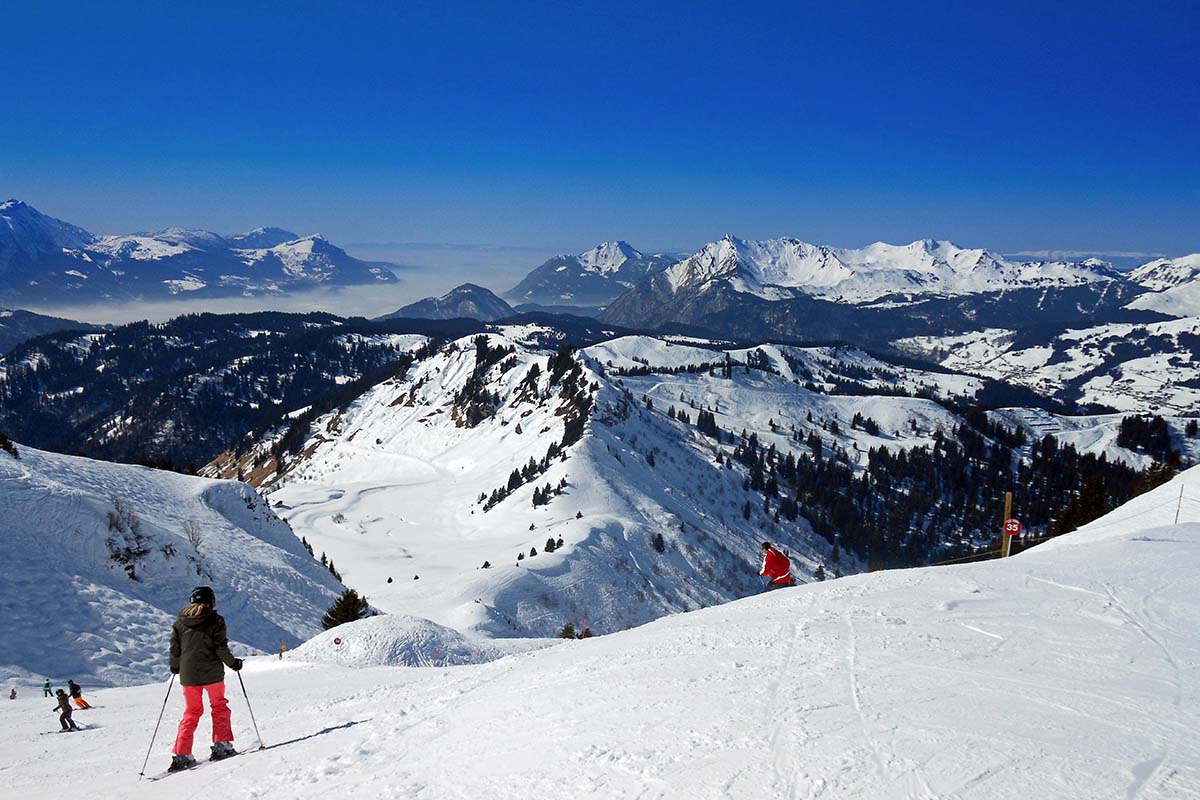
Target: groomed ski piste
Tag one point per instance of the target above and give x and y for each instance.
(1069, 671)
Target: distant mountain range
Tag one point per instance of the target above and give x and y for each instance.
(790, 288)
(45, 259)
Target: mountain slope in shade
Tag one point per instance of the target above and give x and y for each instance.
(1061, 673)
(467, 301)
(43, 259)
(28, 236)
(17, 326)
(97, 563)
(592, 278)
(1174, 285)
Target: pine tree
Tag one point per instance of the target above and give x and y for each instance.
(567, 632)
(347, 608)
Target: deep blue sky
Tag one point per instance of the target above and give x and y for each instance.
(1013, 126)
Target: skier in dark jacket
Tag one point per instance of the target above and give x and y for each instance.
(77, 694)
(64, 706)
(199, 647)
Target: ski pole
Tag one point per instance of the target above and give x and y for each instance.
(261, 746)
(155, 734)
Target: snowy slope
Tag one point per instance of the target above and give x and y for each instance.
(1138, 367)
(1066, 672)
(79, 602)
(1096, 434)
(1174, 285)
(391, 488)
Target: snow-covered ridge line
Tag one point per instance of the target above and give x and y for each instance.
(770, 267)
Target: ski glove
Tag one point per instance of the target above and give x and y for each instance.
(237, 665)
(174, 670)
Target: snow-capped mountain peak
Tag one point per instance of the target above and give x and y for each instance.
(262, 238)
(608, 257)
(594, 277)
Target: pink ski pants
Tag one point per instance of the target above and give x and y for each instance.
(194, 696)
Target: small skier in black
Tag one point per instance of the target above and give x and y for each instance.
(64, 706)
(77, 694)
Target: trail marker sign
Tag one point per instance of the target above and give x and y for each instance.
(1012, 527)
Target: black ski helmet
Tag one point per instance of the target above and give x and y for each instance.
(204, 595)
(766, 545)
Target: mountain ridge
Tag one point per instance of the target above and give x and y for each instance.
(466, 301)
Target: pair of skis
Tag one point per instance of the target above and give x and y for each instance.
(76, 729)
(194, 766)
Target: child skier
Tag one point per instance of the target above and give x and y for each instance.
(776, 568)
(64, 706)
(46, 691)
(199, 646)
(77, 694)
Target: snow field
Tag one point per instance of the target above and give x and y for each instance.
(1068, 671)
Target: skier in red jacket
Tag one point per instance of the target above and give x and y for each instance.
(776, 568)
